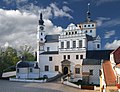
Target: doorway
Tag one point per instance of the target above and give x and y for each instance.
(65, 71)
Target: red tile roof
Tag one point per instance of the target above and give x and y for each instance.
(109, 75)
(116, 54)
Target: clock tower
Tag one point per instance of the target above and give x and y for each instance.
(40, 37)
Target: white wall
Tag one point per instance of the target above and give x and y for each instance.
(44, 60)
(95, 77)
(53, 46)
(25, 73)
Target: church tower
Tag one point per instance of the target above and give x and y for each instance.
(89, 26)
(40, 37)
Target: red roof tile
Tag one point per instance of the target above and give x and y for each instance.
(116, 54)
(109, 75)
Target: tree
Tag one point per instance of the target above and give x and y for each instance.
(8, 58)
(26, 53)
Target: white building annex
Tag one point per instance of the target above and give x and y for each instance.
(75, 51)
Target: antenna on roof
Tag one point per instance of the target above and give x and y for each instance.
(88, 13)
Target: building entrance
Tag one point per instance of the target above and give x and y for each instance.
(65, 71)
(65, 67)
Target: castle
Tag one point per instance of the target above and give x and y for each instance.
(75, 51)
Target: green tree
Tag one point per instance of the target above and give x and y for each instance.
(8, 58)
(26, 53)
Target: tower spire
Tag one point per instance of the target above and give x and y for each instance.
(41, 22)
(88, 13)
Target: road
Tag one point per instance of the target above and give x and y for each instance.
(7, 86)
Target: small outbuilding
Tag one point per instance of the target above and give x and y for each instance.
(27, 69)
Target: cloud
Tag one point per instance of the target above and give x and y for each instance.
(60, 12)
(107, 22)
(109, 34)
(99, 2)
(100, 21)
(111, 23)
(50, 11)
(115, 44)
(19, 28)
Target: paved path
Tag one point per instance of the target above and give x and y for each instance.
(7, 86)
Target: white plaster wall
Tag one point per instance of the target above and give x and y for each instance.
(24, 73)
(95, 77)
(53, 46)
(44, 60)
(117, 70)
(23, 70)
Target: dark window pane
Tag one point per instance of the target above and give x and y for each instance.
(68, 44)
(46, 68)
(50, 58)
(62, 45)
(77, 56)
(81, 56)
(80, 44)
(77, 70)
(91, 72)
(74, 44)
(68, 56)
(56, 68)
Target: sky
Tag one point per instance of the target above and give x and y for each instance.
(19, 19)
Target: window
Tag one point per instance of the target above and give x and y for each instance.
(91, 72)
(69, 33)
(72, 32)
(92, 25)
(88, 25)
(74, 44)
(18, 71)
(48, 48)
(31, 70)
(90, 31)
(68, 56)
(41, 39)
(86, 31)
(50, 58)
(56, 68)
(77, 70)
(75, 32)
(64, 56)
(68, 44)
(62, 45)
(80, 26)
(66, 33)
(46, 68)
(77, 56)
(98, 45)
(80, 44)
(41, 33)
(81, 56)
(84, 25)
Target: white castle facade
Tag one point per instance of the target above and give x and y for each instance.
(69, 52)
(64, 53)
